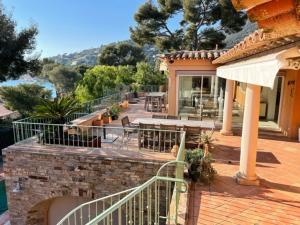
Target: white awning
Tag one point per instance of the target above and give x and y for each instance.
(260, 71)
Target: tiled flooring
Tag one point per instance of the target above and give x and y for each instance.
(275, 201)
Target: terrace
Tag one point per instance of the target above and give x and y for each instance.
(275, 200)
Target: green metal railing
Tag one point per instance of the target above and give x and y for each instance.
(87, 211)
(154, 202)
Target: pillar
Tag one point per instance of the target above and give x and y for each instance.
(212, 83)
(216, 90)
(247, 174)
(227, 112)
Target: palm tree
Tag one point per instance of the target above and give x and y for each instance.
(57, 110)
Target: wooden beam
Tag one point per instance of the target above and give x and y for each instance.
(284, 24)
(247, 4)
(270, 9)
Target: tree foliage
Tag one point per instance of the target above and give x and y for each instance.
(57, 110)
(62, 77)
(121, 54)
(15, 49)
(101, 79)
(24, 97)
(147, 74)
(203, 23)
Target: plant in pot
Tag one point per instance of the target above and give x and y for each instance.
(205, 141)
(115, 111)
(98, 121)
(135, 88)
(106, 117)
(199, 166)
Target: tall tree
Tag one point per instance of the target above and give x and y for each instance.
(203, 23)
(64, 78)
(147, 74)
(15, 49)
(23, 97)
(121, 54)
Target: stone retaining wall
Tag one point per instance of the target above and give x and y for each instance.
(46, 176)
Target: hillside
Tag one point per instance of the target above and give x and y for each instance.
(89, 56)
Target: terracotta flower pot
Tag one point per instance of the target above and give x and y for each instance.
(107, 120)
(98, 122)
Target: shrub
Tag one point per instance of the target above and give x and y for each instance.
(199, 166)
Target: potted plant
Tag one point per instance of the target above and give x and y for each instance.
(205, 141)
(135, 88)
(199, 166)
(106, 117)
(115, 111)
(98, 121)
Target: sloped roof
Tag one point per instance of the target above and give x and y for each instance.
(258, 42)
(200, 55)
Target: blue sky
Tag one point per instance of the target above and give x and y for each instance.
(67, 26)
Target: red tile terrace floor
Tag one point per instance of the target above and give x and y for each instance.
(275, 201)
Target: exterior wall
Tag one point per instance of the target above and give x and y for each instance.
(46, 176)
(289, 120)
(240, 93)
(183, 65)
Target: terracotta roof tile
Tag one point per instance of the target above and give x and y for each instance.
(184, 55)
(255, 43)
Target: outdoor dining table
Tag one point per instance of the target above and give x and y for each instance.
(209, 125)
(154, 97)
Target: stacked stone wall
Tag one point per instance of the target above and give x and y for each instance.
(46, 176)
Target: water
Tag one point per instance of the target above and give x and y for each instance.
(30, 80)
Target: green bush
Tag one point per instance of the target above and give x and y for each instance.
(199, 166)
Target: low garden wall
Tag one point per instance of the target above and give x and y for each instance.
(43, 176)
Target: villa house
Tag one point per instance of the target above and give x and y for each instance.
(256, 83)
(262, 79)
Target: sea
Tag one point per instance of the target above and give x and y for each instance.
(26, 79)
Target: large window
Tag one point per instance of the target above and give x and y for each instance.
(199, 94)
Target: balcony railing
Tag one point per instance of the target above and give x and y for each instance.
(154, 202)
(114, 96)
(32, 131)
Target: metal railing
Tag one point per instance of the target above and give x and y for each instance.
(102, 103)
(33, 131)
(154, 202)
(84, 213)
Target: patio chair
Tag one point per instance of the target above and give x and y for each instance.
(128, 127)
(173, 117)
(197, 118)
(192, 136)
(168, 137)
(163, 105)
(155, 104)
(155, 116)
(148, 136)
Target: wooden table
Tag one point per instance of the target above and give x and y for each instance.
(150, 100)
(178, 123)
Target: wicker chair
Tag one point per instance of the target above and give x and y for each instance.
(155, 116)
(173, 117)
(148, 136)
(168, 137)
(197, 118)
(192, 136)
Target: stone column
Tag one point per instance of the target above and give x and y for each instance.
(216, 91)
(247, 174)
(212, 83)
(227, 113)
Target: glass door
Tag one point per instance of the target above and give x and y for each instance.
(198, 95)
